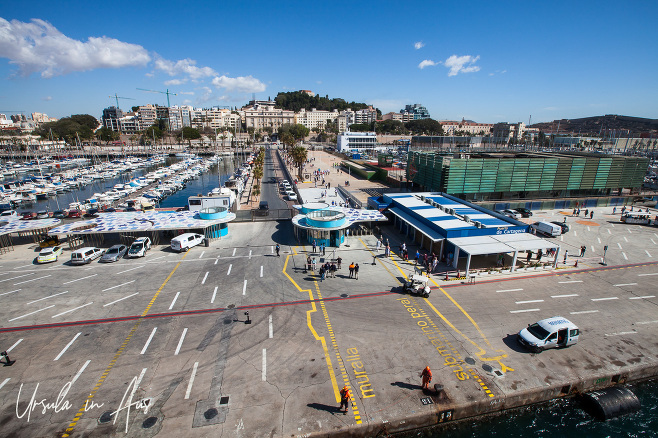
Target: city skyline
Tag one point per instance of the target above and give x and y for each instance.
(490, 63)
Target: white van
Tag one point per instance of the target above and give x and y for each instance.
(85, 255)
(186, 241)
(547, 228)
(549, 333)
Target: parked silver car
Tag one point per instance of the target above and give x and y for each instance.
(114, 253)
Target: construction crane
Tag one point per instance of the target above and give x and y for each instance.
(161, 92)
(119, 97)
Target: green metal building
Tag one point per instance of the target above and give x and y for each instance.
(509, 176)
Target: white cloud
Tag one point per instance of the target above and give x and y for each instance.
(318, 82)
(191, 93)
(47, 98)
(245, 84)
(427, 63)
(419, 45)
(461, 64)
(175, 82)
(184, 67)
(38, 46)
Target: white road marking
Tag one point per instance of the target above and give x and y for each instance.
(564, 296)
(148, 341)
(229, 269)
(629, 231)
(625, 284)
(204, 278)
(647, 322)
(234, 249)
(583, 311)
(624, 254)
(128, 270)
(120, 299)
(34, 279)
(180, 342)
(191, 382)
(244, 288)
(642, 298)
(599, 239)
(271, 249)
(83, 278)
(261, 271)
(655, 234)
(10, 292)
(509, 290)
(592, 246)
(80, 372)
(621, 333)
(588, 228)
(575, 233)
(50, 296)
(61, 353)
(214, 294)
(5, 382)
(605, 299)
(202, 253)
(648, 254)
(271, 328)
(612, 225)
(570, 281)
(20, 276)
(174, 301)
(216, 260)
(529, 301)
(157, 258)
(8, 350)
(652, 241)
(609, 230)
(524, 310)
(264, 374)
(31, 313)
(69, 311)
(625, 239)
(619, 245)
(645, 275)
(561, 238)
(249, 254)
(119, 285)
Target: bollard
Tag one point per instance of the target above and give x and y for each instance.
(575, 265)
(447, 278)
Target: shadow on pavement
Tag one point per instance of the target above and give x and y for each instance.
(405, 385)
(513, 344)
(327, 408)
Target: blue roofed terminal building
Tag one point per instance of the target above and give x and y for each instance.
(455, 229)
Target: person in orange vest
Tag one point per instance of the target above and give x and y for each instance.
(345, 397)
(427, 377)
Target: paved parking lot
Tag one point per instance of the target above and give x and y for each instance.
(162, 342)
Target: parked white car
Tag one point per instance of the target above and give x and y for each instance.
(139, 247)
(186, 241)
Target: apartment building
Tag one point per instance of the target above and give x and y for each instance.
(365, 116)
(418, 110)
(451, 127)
(260, 117)
(505, 132)
(402, 117)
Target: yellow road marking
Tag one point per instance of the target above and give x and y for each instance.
(119, 352)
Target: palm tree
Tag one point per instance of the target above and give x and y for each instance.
(299, 155)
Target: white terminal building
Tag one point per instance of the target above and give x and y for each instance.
(357, 142)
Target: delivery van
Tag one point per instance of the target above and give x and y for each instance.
(552, 332)
(186, 241)
(85, 255)
(547, 228)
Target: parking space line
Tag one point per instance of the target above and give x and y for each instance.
(261, 271)
(570, 281)
(645, 275)
(61, 353)
(612, 225)
(271, 249)
(588, 228)
(80, 371)
(250, 254)
(148, 341)
(83, 278)
(629, 231)
(234, 249)
(49, 296)
(564, 296)
(229, 269)
(608, 229)
(31, 313)
(10, 292)
(619, 245)
(120, 299)
(621, 333)
(8, 350)
(174, 301)
(20, 276)
(191, 382)
(214, 294)
(216, 260)
(642, 298)
(652, 241)
(524, 310)
(646, 322)
(271, 328)
(625, 284)
(4, 382)
(529, 301)
(204, 278)
(583, 312)
(592, 246)
(33, 279)
(264, 372)
(509, 290)
(201, 255)
(158, 258)
(605, 299)
(648, 254)
(69, 311)
(625, 239)
(131, 269)
(119, 285)
(180, 342)
(575, 233)
(244, 288)
(624, 254)
(599, 239)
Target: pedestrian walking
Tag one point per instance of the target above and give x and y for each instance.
(356, 271)
(583, 248)
(345, 397)
(324, 249)
(426, 375)
(308, 263)
(278, 248)
(352, 270)
(527, 259)
(540, 253)
(322, 273)
(566, 253)
(339, 261)
(614, 210)
(591, 213)
(417, 256)
(379, 244)
(333, 270)
(586, 212)
(565, 220)
(313, 264)
(314, 246)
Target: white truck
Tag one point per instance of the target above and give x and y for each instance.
(547, 228)
(552, 332)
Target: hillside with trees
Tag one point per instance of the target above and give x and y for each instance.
(70, 128)
(624, 125)
(296, 100)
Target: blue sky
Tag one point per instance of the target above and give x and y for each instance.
(486, 61)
